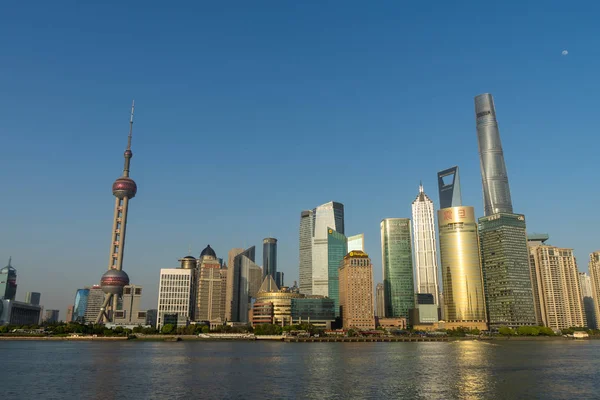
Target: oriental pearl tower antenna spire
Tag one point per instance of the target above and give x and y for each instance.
(112, 282)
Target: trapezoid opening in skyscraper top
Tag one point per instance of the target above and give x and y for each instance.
(449, 188)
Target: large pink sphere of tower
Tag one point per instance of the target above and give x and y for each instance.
(113, 281)
(124, 186)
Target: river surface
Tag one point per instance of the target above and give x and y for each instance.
(257, 370)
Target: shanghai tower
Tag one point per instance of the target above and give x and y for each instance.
(496, 193)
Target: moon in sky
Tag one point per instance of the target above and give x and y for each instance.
(564, 52)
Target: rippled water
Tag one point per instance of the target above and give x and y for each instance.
(274, 370)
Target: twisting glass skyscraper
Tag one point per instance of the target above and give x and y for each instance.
(496, 193)
(396, 256)
(424, 245)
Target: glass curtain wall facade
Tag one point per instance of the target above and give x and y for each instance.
(496, 192)
(462, 278)
(425, 247)
(337, 248)
(81, 299)
(505, 265)
(242, 264)
(329, 215)
(396, 256)
(270, 257)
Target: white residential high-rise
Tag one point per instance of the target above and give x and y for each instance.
(175, 300)
(424, 245)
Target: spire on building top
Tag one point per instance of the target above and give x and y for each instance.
(420, 186)
(130, 126)
(9, 261)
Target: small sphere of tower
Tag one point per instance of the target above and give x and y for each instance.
(113, 280)
(124, 187)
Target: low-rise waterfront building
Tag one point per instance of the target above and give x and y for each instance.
(19, 313)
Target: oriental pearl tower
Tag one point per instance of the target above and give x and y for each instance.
(112, 282)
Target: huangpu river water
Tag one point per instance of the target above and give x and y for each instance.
(273, 370)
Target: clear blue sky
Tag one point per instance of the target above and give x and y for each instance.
(249, 112)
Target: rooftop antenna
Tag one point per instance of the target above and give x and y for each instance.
(9, 261)
(130, 126)
(189, 250)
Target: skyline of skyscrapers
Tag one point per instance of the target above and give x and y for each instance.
(397, 262)
(425, 246)
(513, 290)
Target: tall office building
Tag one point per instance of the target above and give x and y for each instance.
(243, 263)
(129, 312)
(589, 307)
(255, 279)
(279, 279)
(8, 282)
(462, 279)
(175, 296)
(230, 281)
(594, 267)
(337, 248)
(33, 298)
(306, 229)
(81, 298)
(506, 275)
(449, 188)
(209, 289)
(356, 242)
(555, 282)
(379, 301)
(270, 257)
(51, 316)
(496, 193)
(327, 216)
(69, 317)
(95, 299)
(113, 281)
(396, 256)
(356, 291)
(425, 247)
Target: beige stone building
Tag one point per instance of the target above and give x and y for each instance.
(356, 291)
(555, 282)
(210, 292)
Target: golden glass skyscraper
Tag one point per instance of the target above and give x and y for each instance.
(462, 279)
